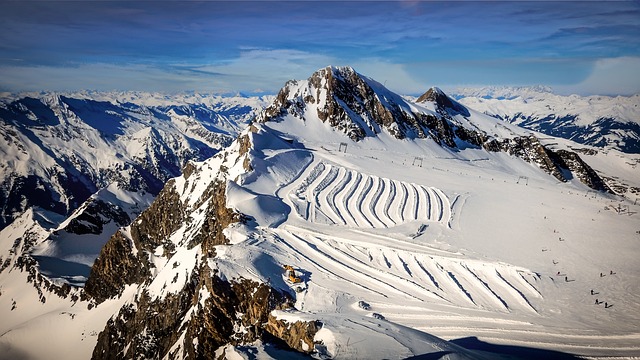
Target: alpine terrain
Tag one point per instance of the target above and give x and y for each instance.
(343, 222)
(601, 121)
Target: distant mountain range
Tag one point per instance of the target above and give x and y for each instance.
(601, 121)
(60, 148)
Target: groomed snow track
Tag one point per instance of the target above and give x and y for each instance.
(416, 274)
(342, 196)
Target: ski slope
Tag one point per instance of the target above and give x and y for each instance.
(468, 245)
(336, 195)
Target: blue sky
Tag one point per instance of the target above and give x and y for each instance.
(256, 46)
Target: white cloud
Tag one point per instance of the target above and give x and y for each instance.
(95, 77)
(611, 76)
(265, 69)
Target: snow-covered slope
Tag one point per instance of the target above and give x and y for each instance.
(602, 121)
(412, 229)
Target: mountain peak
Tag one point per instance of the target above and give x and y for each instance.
(348, 102)
(442, 101)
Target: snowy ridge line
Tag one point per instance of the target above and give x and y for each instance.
(416, 205)
(335, 192)
(349, 198)
(362, 192)
(424, 270)
(320, 267)
(388, 195)
(373, 198)
(332, 248)
(330, 176)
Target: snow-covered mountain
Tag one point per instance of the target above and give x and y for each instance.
(58, 149)
(347, 222)
(601, 121)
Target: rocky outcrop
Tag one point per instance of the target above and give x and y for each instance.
(444, 104)
(571, 161)
(187, 325)
(217, 218)
(207, 311)
(117, 266)
(124, 260)
(529, 149)
(297, 335)
(349, 103)
(95, 214)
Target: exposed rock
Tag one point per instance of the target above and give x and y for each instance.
(116, 267)
(165, 215)
(346, 101)
(95, 215)
(294, 334)
(442, 101)
(188, 169)
(529, 149)
(236, 312)
(572, 162)
(217, 218)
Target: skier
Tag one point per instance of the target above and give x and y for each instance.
(601, 275)
(591, 291)
(606, 305)
(565, 279)
(597, 302)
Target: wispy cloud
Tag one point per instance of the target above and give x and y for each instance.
(261, 44)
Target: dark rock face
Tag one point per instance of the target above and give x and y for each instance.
(117, 266)
(217, 218)
(529, 149)
(349, 103)
(152, 327)
(208, 311)
(442, 101)
(96, 214)
(572, 162)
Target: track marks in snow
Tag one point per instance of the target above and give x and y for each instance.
(418, 275)
(346, 197)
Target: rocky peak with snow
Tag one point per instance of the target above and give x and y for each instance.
(444, 104)
(360, 107)
(351, 103)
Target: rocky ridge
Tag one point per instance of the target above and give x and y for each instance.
(360, 107)
(196, 310)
